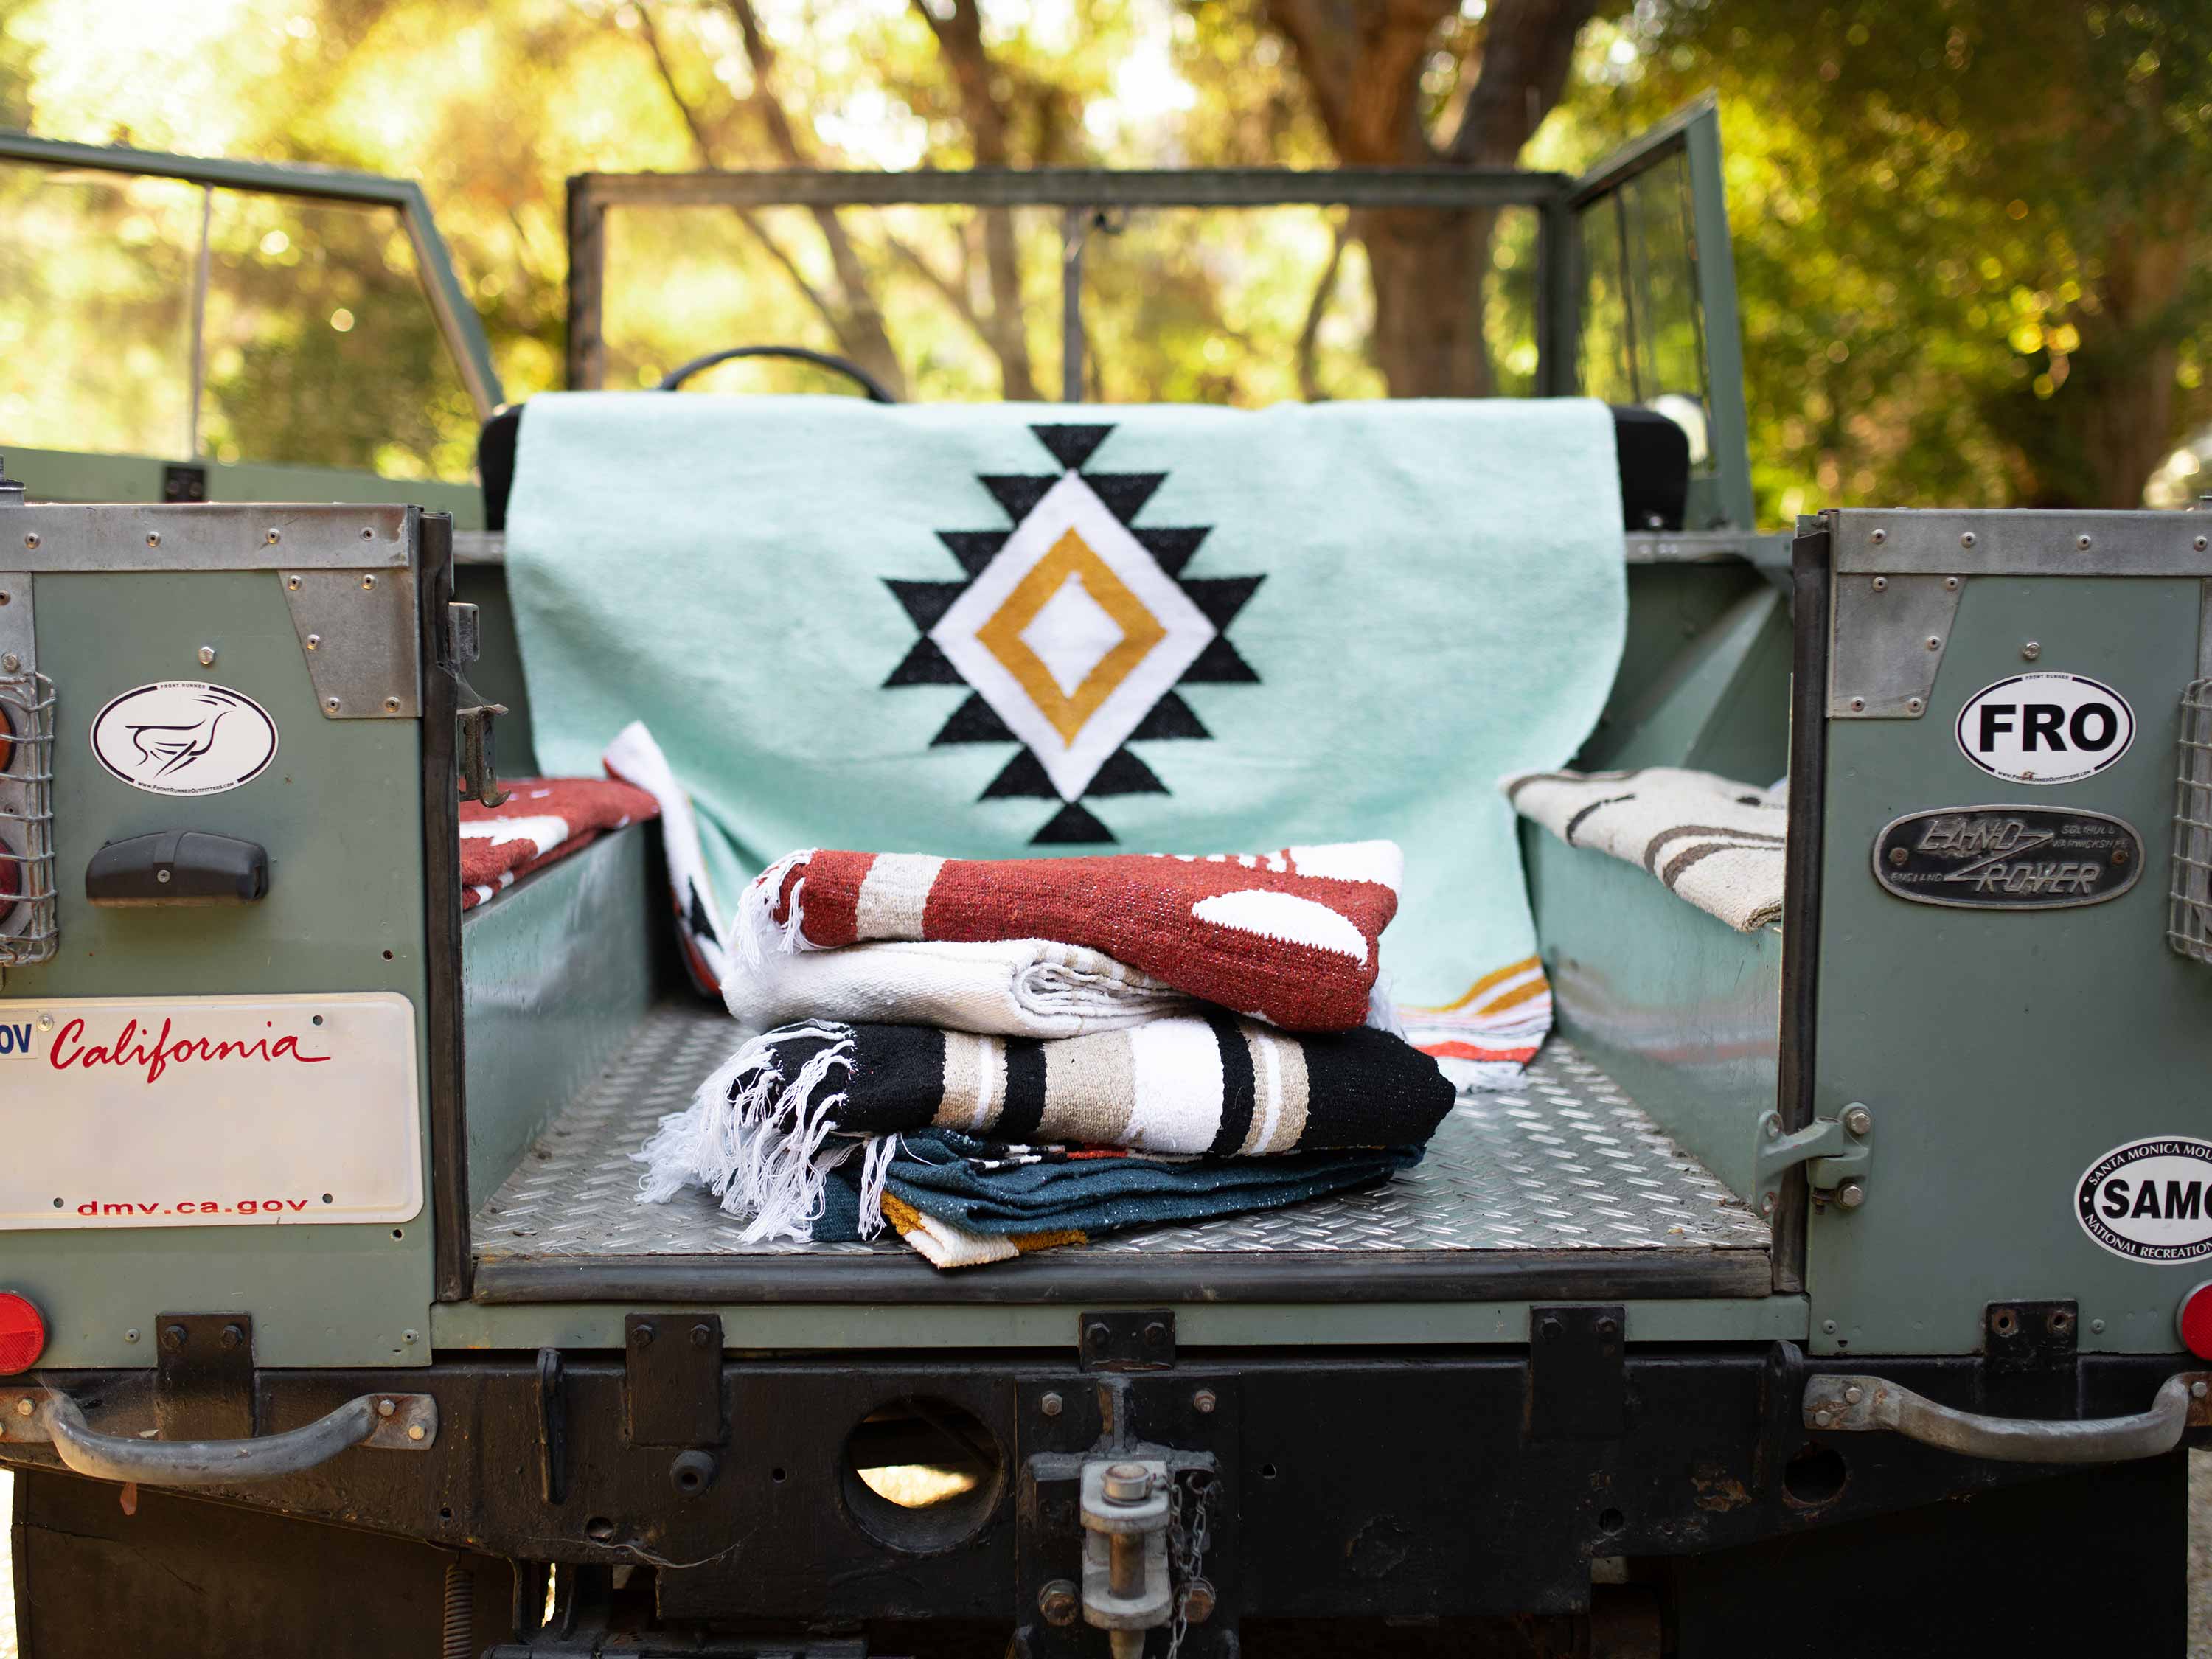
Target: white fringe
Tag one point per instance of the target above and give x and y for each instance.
(875, 1173)
(762, 1144)
(758, 930)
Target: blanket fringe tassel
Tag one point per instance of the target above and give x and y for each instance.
(764, 1146)
(758, 930)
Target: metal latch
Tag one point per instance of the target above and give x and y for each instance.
(1836, 1153)
(479, 766)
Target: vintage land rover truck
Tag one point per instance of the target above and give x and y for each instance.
(391, 1361)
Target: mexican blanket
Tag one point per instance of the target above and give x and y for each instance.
(766, 1130)
(541, 821)
(998, 630)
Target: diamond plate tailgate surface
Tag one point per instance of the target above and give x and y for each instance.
(1567, 1162)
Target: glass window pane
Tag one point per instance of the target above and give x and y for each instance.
(95, 313)
(938, 304)
(322, 348)
(1642, 324)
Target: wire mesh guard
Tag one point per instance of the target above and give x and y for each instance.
(28, 930)
(2189, 918)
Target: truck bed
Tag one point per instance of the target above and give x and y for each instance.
(1562, 1186)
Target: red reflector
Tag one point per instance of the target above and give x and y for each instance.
(22, 1334)
(2194, 1320)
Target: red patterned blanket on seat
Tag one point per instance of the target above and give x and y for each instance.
(543, 820)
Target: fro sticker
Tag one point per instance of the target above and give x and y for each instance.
(2150, 1201)
(2045, 728)
(184, 738)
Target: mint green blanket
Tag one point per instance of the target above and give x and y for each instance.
(983, 630)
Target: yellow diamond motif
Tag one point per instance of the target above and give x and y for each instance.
(1070, 558)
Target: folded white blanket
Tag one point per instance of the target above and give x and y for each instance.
(1716, 844)
(1029, 988)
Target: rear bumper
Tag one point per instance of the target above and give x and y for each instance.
(1420, 1485)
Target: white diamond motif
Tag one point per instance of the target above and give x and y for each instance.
(1072, 504)
(1071, 634)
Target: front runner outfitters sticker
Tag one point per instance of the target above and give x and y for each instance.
(2150, 1201)
(2045, 728)
(184, 738)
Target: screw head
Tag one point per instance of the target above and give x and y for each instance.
(1850, 1194)
(409, 1337)
(10, 663)
(1934, 642)
(314, 641)
(1881, 584)
(1203, 1402)
(366, 534)
(332, 704)
(2202, 543)
(1950, 584)
(1827, 1327)
(273, 537)
(130, 1335)
(414, 1432)
(1966, 539)
(2120, 854)
(2031, 650)
(291, 583)
(1058, 1602)
(1051, 1405)
(207, 656)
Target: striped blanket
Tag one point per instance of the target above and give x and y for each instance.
(765, 1130)
(1716, 844)
(1292, 937)
(541, 821)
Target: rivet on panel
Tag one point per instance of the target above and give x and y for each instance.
(332, 704)
(1950, 584)
(153, 539)
(2031, 650)
(1968, 539)
(1934, 642)
(1880, 584)
(2202, 543)
(314, 641)
(10, 664)
(207, 656)
(291, 584)
(1879, 537)
(2083, 542)
(1858, 705)
(1914, 705)
(274, 537)
(367, 582)
(414, 1432)
(391, 705)
(31, 539)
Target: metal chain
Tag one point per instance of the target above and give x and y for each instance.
(1186, 1554)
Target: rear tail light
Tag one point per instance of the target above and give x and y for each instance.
(2193, 1319)
(22, 1333)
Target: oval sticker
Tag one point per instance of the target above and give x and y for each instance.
(2045, 728)
(2150, 1201)
(184, 738)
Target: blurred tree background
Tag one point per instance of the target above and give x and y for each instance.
(1971, 235)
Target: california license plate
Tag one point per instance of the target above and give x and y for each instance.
(209, 1111)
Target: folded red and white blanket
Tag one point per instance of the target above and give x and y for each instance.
(1291, 937)
(764, 1132)
(542, 820)
(1015, 988)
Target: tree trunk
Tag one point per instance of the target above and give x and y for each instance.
(1426, 268)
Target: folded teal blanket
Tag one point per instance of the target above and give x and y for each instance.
(983, 631)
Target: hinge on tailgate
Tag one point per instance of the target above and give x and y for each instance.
(1836, 1153)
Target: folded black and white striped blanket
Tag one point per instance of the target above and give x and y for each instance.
(764, 1132)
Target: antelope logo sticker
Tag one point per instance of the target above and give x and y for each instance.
(184, 738)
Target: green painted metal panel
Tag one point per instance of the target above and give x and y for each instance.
(460, 1326)
(60, 474)
(1678, 1007)
(2003, 1053)
(556, 975)
(339, 810)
